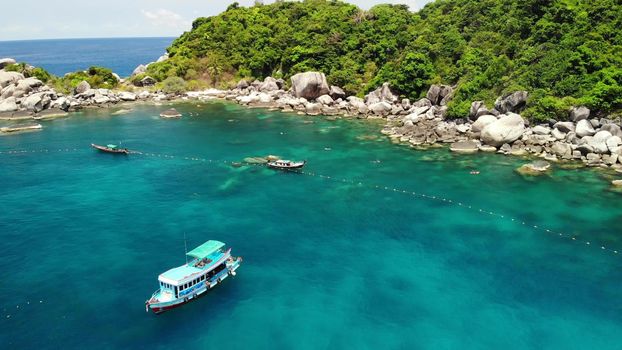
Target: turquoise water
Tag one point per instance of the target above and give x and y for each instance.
(328, 264)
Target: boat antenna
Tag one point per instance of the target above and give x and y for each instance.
(185, 248)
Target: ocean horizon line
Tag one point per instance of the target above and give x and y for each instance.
(89, 38)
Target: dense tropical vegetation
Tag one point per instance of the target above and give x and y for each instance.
(564, 52)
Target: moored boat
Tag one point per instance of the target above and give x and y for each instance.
(210, 265)
(111, 149)
(286, 164)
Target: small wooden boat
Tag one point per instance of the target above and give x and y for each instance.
(111, 149)
(286, 164)
(211, 264)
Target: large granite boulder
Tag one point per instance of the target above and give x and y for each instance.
(242, 84)
(535, 168)
(269, 84)
(25, 86)
(584, 128)
(506, 129)
(36, 102)
(82, 87)
(482, 122)
(7, 91)
(310, 85)
(381, 94)
(325, 100)
(139, 70)
(613, 129)
(380, 108)
(564, 127)
(579, 113)
(513, 102)
(7, 78)
(439, 95)
(8, 105)
(475, 106)
(127, 96)
(336, 92)
(6, 62)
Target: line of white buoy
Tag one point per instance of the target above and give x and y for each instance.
(571, 237)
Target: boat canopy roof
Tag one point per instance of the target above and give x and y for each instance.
(205, 249)
(111, 146)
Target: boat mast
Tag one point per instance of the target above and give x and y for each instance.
(185, 248)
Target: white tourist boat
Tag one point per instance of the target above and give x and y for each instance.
(210, 265)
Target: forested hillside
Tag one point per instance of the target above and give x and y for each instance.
(564, 52)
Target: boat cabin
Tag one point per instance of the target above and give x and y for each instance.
(207, 260)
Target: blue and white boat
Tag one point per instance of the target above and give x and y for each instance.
(210, 264)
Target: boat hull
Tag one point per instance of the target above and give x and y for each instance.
(287, 167)
(110, 150)
(161, 307)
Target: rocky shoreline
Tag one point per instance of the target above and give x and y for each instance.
(583, 137)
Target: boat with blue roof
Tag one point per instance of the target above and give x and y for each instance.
(210, 264)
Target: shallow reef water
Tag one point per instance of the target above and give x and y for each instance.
(388, 249)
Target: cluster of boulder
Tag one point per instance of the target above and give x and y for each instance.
(25, 98)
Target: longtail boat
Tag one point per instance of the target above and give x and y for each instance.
(111, 149)
(286, 164)
(210, 264)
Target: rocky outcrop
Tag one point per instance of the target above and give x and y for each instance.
(513, 102)
(7, 78)
(310, 85)
(507, 129)
(6, 62)
(127, 96)
(147, 81)
(381, 94)
(535, 168)
(8, 105)
(269, 84)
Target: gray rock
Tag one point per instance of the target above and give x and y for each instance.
(8, 105)
(7, 78)
(613, 129)
(6, 61)
(139, 70)
(380, 108)
(464, 147)
(325, 100)
(336, 92)
(475, 106)
(242, 84)
(541, 130)
(482, 122)
(147, 81)
(7, 91)
(310, 85)
(584, 128)
(562, 149)
(579, 113)
(593, 158)
(269, 84)
(162, 58)
(613, 143)
(36, 102)
(564, 127)
(439, 94)
(61, 103)
(406, 104)
(127, 96)
(381, 94)
(313, 108)
(424, 102)
(534, 168)
(557, 134)
(513, 102)
(506, 129)
(82, 87)
(170, 113)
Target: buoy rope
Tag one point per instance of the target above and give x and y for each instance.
(571, 237)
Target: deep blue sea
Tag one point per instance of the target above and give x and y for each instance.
(354, 259)
(60, 56)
